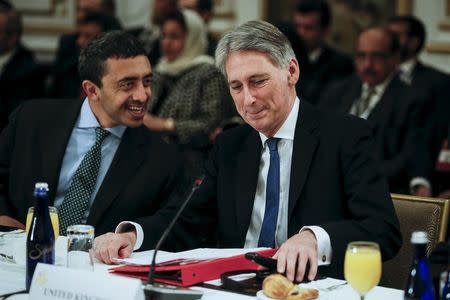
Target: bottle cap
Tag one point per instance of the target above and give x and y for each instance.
(41, 185)
(419, 237)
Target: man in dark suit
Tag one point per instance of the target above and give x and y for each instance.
(323, 64)
(20, 76)
(64, 80)
(295, 177)
(65, 63)
(389, 105)
(53, 141)
(412, 35)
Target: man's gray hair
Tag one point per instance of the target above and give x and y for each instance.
(255, 36)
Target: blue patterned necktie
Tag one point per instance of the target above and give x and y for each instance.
(76, 200)
(269, 225)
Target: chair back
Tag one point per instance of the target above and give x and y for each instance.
(414, 213)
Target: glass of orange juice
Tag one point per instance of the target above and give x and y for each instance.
(362, 266)
(53, 217)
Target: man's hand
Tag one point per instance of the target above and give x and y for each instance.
(114, 245)
(444, 194)
(8, 221)
(294, 255)
(422, 191)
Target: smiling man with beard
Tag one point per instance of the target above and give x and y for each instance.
(102, 165)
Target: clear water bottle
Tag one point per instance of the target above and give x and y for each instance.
(41, 238)
(419, 284)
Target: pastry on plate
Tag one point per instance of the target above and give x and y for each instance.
(277, 286)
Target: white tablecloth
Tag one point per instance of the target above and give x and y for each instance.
(12, 276)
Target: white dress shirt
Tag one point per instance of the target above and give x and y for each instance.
(4, 59)
(285, 146)
(406, 69)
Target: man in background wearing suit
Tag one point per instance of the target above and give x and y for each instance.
(64, 80)
(295, 177)
(323, 64)
(102, 165)
(431, 179)
(68, 51)
(389, 105)
(20, 76)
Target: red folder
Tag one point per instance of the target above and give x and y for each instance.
(187, 273)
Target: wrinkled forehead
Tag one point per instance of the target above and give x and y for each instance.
(374, 41)
(240, 65)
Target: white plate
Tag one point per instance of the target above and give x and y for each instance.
(260, 295)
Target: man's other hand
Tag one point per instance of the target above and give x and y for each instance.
(422, 191)
(295, 254)
(114, 245)
(8, 221)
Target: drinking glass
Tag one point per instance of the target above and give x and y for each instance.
(362, 266)
(80, 244)
(53, 217)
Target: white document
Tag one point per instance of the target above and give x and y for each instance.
(54, 282)
(145, 257)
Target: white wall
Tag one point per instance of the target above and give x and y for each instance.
(432, 13)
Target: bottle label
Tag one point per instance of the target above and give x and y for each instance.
(43, 253)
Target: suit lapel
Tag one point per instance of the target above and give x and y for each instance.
(353, 94)
(247, 171)
(381, 110)
(53, 140)
(305, 144)
(127, 159)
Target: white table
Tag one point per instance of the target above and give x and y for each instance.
(12, 276)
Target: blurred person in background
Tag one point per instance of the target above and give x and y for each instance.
(68, 51)
(205, 8)
(190, 96)
(64, 80)
(150, 36)
(20, 76)
(324, 64)
(390, 106)
(431, 161)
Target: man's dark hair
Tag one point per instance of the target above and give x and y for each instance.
(14, 25)
(177, 16)
(416, 28)
(5, 4)
(315, 6)
(205, 5)
(104, 21)
(395, 44)
(113, 44)
(109, 7)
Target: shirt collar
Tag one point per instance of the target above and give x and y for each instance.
(287, 130)
(379, 88)
(87, 119)
(314, 55)
(4, 59)
(408, 66)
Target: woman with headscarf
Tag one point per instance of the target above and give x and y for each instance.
(190, 96)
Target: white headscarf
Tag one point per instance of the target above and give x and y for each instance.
(194, 49)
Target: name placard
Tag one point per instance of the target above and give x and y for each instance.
(54, 282)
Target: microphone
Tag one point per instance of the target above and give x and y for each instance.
(157, 291)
